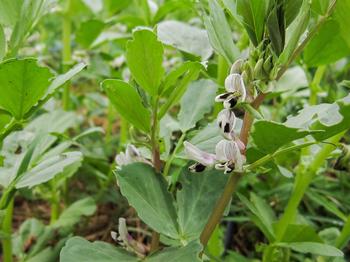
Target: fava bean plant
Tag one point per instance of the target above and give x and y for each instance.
(163, 130)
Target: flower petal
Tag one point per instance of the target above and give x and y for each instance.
(235, 83)
(226, 120)
(198, 155)
(222, 97)
(236, 68)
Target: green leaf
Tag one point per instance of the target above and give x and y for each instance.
(88, 32)
(196, 200)
(147, 192)
(262, 214)
(177, 88)
(276, 27)
(203, 92)
(331, 118)
(79, 249)
(144, 57)
(219, 32)
(313, 248)
(47, 169)
(253, 14)
(292, 8)
(295, 31)
(268, 136)
(341, 16)
(2, 43)
(23, 83)
(300, 233)
(73, 214)
(56, 83)
(5, 118)
(327, 46)
(186, 38)
(10, 11)
(128, 103)
(189, 253)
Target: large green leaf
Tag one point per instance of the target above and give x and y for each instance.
(23, 83)
(147, 192)
(189, 253)
(330, 118)
(292, 8)
(268, 136)
(79, 249)
(313, 248)
(144, 57)
(197, 199)
(186, 38)
(341, 14)
(327, 46)
(88, 32)
(253, 14)
(128, 103)
(203, 92)
(219, 32)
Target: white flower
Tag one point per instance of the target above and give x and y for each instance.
(126, 240)
(194, 153)
(235, 91)
(131, 155)
(229, 156)
(236, 68)
(226, 120)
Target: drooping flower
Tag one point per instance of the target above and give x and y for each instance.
(126, 240)
(202, 158)
(229, 156)
(131, 155)
(235, 91)
(226, 120)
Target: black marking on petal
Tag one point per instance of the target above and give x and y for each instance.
(227, 128)
(198, 167)
(220, 124)
(232, 102)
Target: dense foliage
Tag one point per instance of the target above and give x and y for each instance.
(174, 130)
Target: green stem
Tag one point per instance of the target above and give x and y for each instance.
(344, 236)
(7, 230)
(314, 87)
(66, 51)
(303, 180)
(173, 154)
(55, 207)
(156, 163)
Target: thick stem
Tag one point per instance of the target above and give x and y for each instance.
(231, 185)
(66, 52)
(156, 163)
(55, 207)
(7, 230)
(314, 86)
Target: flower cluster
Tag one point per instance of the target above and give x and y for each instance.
(228, 152)
(131, 155)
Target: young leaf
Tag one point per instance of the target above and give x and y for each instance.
(186, 38)
(79, 249)
(219, 32)
(313, 248)
(72, 215)
(197, 199)
(295, 31)
(144, 57)
(47, 169)
(203, 92)
(128, 103)
(253, 14)
(147, 192)
(300, 233)
(23, 83)
(276, 27)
